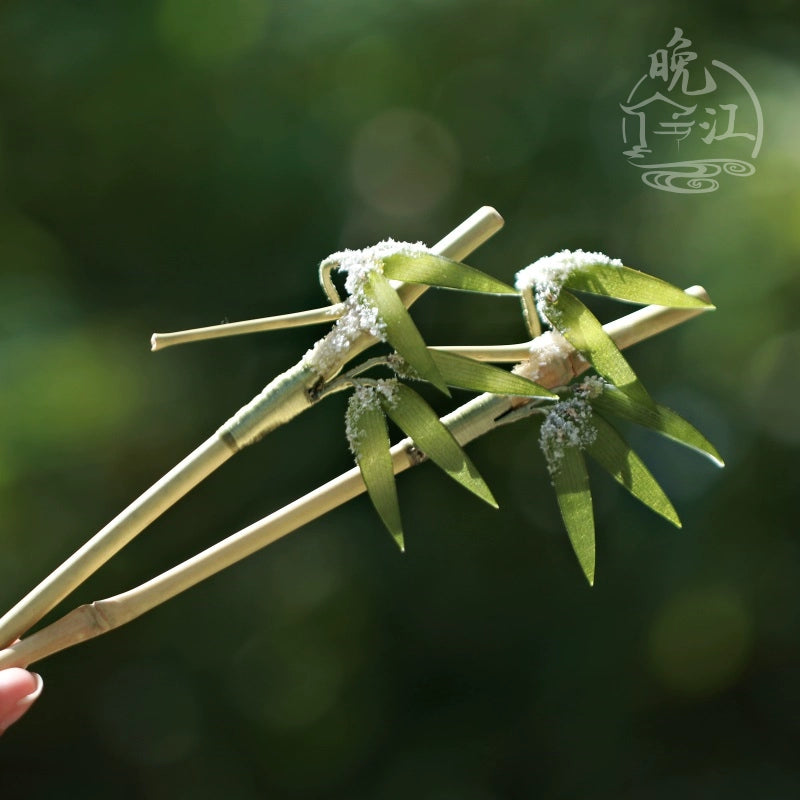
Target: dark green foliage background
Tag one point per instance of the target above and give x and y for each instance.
(175, 163)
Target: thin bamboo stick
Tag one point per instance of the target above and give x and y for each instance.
(496, 353)
(467, 423)
(484, 222)
(314, 316)
(652, 319)
(284, 398)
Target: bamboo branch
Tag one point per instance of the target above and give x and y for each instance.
(644, 323)
(283, 399)
(652, 319)
(314, 316)
(468, 422)
(496, 353)
(480, 226)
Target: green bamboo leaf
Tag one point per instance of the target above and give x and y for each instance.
(419, 421)
(478, 376)
(369, 440)
(585, 333)
(571, 482)
(658, 418)
(625, 283)
(401, 332)
(433, 270)
(615, 455)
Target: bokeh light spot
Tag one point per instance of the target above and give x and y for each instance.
(404, 163)
(700, 640)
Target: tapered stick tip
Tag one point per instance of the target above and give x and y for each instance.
(491, 213)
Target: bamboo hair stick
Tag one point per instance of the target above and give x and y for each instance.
(283, 399)
(467, 423)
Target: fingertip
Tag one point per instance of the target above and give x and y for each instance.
(17, 683)
(19, 689)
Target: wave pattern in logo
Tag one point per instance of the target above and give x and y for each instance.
(693, 177)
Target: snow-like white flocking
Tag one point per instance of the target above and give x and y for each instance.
(360, 316)
(547, 275)
(569, 423)
(366, 397)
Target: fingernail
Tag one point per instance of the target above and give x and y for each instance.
(29, 699)
(23, 704)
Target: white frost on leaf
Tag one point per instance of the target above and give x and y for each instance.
(401, 367)
(328, 353)
(365, 397)
(360, 315)
(547, 275)
(590, 387)
(387, 389)
(359, 263)
(569, 423)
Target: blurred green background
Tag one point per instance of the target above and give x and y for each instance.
(178, 163)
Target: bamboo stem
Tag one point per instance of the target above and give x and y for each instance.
(496, 353)
(457, 245)
(315, 316)
(653, 319)
(281, 400)
(467, 423)
(645, 322)
(114, 536)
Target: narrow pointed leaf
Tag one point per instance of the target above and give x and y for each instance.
(419, 421)
(615, 455)
(371, 448)
(401, 331)
(625, 283)
(478, 376)
(658, 418)
(433, 270)
(585, 333)
(571, 482)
